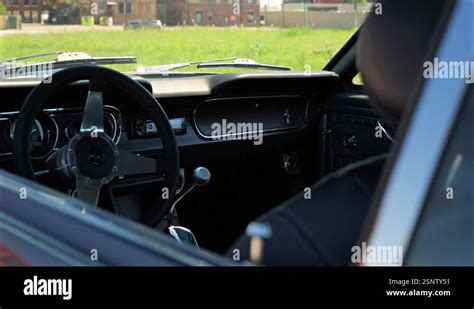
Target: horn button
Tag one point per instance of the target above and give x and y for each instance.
(94, 156)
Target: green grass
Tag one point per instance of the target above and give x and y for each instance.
(300, 49)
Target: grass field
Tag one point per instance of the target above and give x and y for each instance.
(299, 49)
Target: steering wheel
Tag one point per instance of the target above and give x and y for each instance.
(91, 158)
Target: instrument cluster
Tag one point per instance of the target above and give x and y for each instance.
(53, 128)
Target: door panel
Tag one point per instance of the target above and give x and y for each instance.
(350, 132)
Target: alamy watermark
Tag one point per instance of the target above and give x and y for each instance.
(25, 70)
(437, 69)
(238, 131)
(377, 255)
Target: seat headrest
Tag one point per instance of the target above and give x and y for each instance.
(396, 39)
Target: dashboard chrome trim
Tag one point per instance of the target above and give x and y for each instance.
(274, 130)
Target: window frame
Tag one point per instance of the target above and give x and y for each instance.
(128, 7)
(421, 152)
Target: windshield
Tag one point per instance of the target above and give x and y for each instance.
(297, 35)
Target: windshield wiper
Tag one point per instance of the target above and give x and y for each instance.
(63, 60)
(216, 63)
(30, 57)
(243, 64)
(173, 66)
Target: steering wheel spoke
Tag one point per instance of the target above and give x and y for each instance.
(93, 118)
(88, 189)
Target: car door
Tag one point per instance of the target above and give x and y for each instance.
(447, 218)
(351, 129)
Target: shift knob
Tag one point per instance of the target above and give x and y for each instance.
(201, 176)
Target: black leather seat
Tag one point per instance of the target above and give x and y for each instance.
(320, 230)
(391, 50)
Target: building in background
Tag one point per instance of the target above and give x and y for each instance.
(170, 12)
(29, 10)
(209, 12)
(341, 14)
(183, 12)
(126, 10)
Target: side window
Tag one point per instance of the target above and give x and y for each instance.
(357, 80)
(445, 231)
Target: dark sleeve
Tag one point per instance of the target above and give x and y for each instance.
(322, 230)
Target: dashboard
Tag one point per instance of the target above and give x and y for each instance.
(286, 106)
(282, 103)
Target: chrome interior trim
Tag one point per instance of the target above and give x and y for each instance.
(424, 143)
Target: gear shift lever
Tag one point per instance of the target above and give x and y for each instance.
(201, 177)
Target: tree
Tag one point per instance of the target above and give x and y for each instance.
(3, 9)
(68, 11)
(57, 4)
(356, 3)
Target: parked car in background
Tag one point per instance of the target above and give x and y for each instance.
(153, 24)
(133, 24)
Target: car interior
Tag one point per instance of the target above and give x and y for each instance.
(325, 142)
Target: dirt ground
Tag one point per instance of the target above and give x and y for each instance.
(38, 28)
